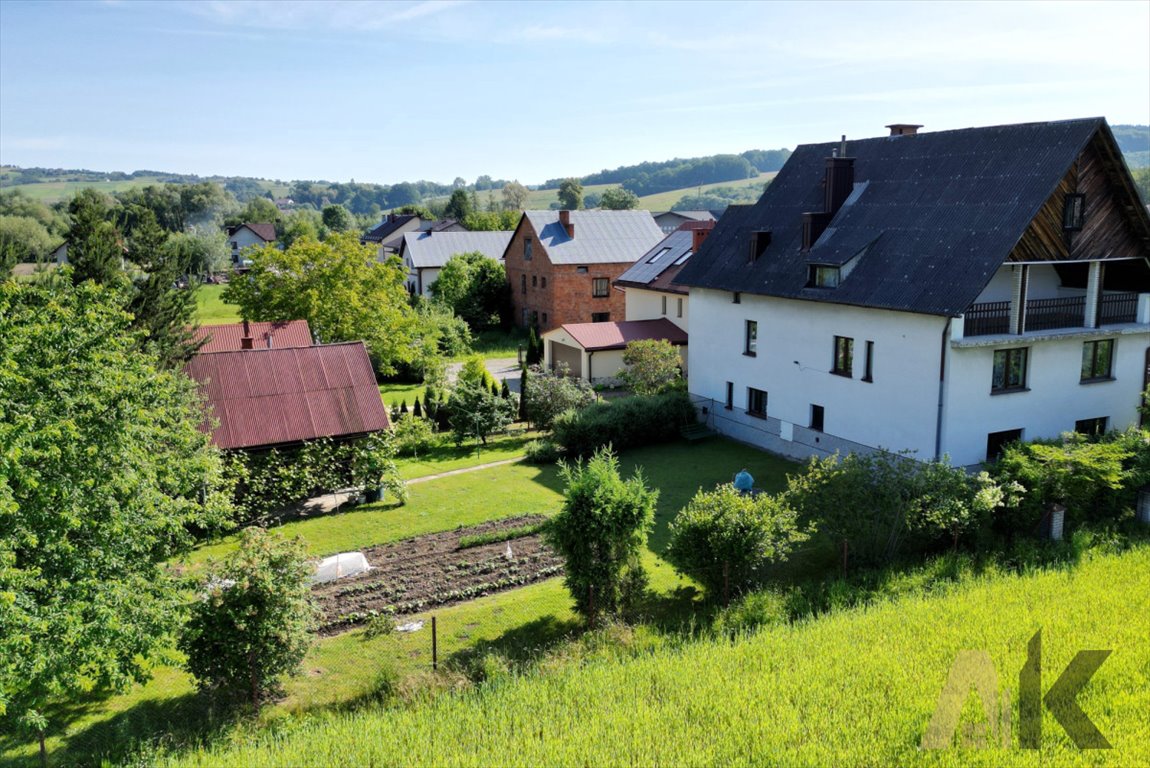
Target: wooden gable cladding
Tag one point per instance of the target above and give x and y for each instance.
(1111, 228)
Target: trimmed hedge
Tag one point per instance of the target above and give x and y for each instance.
(625, 423)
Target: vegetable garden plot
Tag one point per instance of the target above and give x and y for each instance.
(415, 574)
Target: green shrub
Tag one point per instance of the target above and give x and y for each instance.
(254, 621)
(764, 608)
(381, 624)
(413, 435)
(542, 452)
(549, 394)
(601, 533)
(625, 423)
(727, 540)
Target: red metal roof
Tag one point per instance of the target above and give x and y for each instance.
(226, 338)
(599, 336)
(264, 397)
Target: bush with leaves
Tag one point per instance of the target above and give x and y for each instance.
(549, 394)
(601, 533)
(254, 620)
(727, 540)
(474, 371)
(625, 423)
(413, 435)
(476, 413)
(653, 366)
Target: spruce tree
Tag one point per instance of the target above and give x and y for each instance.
(416, 410)
(523, 394)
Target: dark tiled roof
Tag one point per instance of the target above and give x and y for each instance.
(387, 227)
(264, 397)
(595, 337)
(930, 219)
(225, 338)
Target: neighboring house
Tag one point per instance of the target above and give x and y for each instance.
(424, 253)
(648, 286)
(561, 264)
(387, 236)
(257, 335)
(59, 254)
(594, 351)
(263, 398)
(245, 236)
(669, 221)
(941, 293)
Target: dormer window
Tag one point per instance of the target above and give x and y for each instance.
(1074, 212)
(759, 243)
(824, 276)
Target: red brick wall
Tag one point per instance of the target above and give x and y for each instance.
(567, 296)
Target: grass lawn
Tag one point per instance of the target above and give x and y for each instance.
(854, 687)
(664, 200)
(393, 393)
(445, 456)
(212, 310)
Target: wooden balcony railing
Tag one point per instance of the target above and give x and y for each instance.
(992, 318)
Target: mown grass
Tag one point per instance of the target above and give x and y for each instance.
(395, 393)
(446, 456)
(856, 687)
(212, 310)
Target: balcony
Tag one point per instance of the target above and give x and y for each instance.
(992, 318)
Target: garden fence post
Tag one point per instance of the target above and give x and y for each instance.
(434, 645)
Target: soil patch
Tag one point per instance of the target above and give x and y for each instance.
(412, 575)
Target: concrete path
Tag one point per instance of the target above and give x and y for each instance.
(476, 468)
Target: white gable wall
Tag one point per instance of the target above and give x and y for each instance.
(642, 304)
(898, 411)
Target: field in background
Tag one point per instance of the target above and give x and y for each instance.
(212, 309)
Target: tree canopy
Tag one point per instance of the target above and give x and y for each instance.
(103, 468)
(514, 196)
(653, 366)
(571, 194)
(475, 287)
(459, 206)
(342, 290)
(618, 199)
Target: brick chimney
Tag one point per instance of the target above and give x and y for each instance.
(697, 237)
(246, 341)
(565, 220)
(837, 185)
(903, 129)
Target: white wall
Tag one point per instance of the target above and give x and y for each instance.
(648, 305)
(1044, 283)
(898, 411)
(245, 238)
(1056, 398)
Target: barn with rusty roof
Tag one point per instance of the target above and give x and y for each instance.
(283, 396)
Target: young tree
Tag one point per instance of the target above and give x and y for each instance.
(104, 469)
(618, 199)
(546, 395)
(24, 239)
(341, 289)
(571, 194)
(601, 532)
(254, 620)
(534, 347)
(475, 287)
(514, 196)
(475, 412)
(727, 540)
(653, 366)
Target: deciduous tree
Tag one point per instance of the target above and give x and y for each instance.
(475, 287)
(514, 196)
(571, 194)
(337, 218)
(653, 366)
(618, 199)
(103, 468)
(476, 412)
(459, 206)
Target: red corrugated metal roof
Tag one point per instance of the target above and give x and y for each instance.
(226, 338)
(264, 397)
(598, 336)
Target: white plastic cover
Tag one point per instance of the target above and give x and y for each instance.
(339, 566)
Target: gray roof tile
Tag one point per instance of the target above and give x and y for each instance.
(601, 237)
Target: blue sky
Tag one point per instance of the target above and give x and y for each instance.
(394, 91)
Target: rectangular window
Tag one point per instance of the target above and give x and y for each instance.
(844, 356)
(534, 281)
(600, 317)
(1091, 427)
(1096, 360)
(816, 417)
(751, 338)
(996, 441)
(664, 304)
(545, 318)
(1009, 370)
(523, 283)
(527, 249)
(580, 270)
(543, 282)
(1073, 212)
(736, 298)
(730, 395)
(823, 277)
(599, 286)
(868, 365)
(660, 254)
(679, 308)
(756, 402)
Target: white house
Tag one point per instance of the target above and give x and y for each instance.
(245, 236)
(425, 252)
(941, 293)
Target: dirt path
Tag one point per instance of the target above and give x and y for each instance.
(451, 472)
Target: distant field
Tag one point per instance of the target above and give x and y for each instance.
(55, 191)
(664, 200)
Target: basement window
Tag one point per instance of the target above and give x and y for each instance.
(1073, 212)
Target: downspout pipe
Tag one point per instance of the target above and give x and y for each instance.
(941, 390)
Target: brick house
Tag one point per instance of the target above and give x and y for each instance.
(561, 264)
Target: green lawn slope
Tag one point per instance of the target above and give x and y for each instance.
(855, 687)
